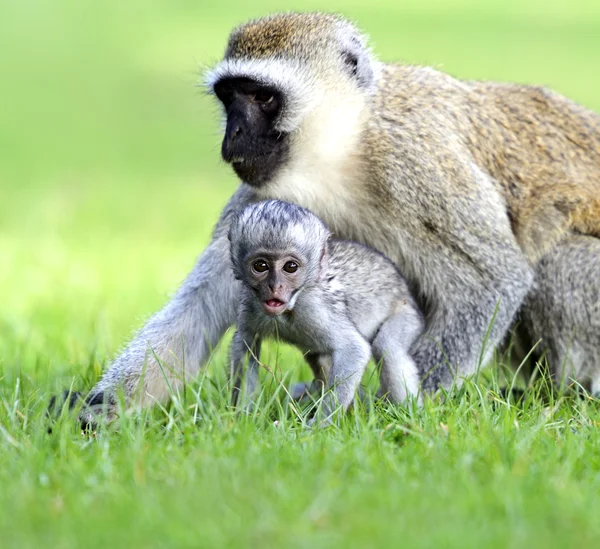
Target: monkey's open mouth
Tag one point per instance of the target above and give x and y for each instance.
(274, 306)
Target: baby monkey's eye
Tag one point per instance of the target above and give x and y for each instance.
(260, 266)
(290, 267)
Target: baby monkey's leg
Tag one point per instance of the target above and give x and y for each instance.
(399, 373)
(349, 362)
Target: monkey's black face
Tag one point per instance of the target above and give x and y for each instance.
(276, 279)
(252, 145)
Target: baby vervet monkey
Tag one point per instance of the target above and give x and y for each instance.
(339, 302)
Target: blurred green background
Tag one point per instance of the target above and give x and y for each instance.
(110, 173)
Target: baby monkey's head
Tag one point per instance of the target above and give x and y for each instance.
(276, 249)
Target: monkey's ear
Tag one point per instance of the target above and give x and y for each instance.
(351, 62)
(357, 59)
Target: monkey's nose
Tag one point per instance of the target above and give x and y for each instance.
(228, 146)
(233, 130)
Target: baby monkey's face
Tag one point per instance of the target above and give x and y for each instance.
(276, 278)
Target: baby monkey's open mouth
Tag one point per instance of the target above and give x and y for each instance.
(274, 306)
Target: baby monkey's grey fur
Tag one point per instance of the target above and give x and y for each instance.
(339, 302)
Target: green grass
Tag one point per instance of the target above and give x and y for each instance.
(110, 183)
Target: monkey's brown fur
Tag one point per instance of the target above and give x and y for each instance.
(545, 151)
(542, 149)
(285, 34)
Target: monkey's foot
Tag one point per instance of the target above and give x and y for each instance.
(301, 391)
(319, 422)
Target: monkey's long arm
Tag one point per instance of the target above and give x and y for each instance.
(175, 343)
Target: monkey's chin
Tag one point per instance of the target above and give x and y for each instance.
(274, 307)
(253, 173)
(261, 168)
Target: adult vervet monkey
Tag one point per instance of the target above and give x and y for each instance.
(476, 190)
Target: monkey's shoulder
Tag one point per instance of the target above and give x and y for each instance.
(358, 269)
(406, 93)
(345, 253)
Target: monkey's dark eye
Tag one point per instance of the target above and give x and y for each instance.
(264, 96)
(290, 267)
(260, 266)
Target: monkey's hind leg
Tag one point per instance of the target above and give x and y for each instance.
(563, 310)
(349, 362)
(399, 374)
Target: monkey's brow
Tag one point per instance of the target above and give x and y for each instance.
(269, 253)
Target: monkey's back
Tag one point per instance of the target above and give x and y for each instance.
(370, 285)
(525, 136)
(540, 149)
